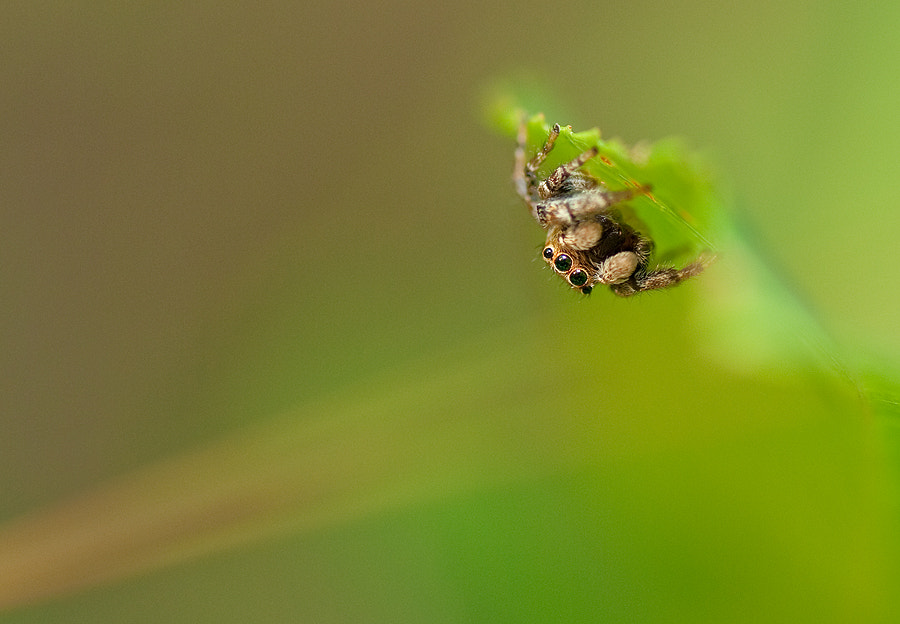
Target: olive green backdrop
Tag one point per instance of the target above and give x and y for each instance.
(219, 215)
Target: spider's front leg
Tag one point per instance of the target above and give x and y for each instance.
(520, 179)
(538, 159)
(555, 183)
(567, 210)
(524, 173)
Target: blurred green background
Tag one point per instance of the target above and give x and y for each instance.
(287, 226)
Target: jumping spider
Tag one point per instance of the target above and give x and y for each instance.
(587, 242)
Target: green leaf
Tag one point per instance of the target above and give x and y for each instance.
(678, 214)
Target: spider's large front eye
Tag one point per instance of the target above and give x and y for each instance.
(562, 263)
(578, 278)
(548, 253)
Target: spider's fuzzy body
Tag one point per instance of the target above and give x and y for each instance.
(588, 243)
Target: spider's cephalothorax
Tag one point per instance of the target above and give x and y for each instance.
(587, 241)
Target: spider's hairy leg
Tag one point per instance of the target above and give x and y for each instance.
(538, 159)
(567, 210)
(662, 278)
(523, 185)
(555, 181)
(524, 173)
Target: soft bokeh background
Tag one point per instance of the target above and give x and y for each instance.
(220, 217)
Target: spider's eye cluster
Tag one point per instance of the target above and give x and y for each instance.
(564, 264)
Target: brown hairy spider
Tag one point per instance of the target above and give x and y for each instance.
(587, 242)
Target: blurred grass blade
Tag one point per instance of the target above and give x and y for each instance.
(327, 464)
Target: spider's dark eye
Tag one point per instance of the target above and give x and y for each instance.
(548, 253)
(587, 290)
(578, 278)
(562, 263)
